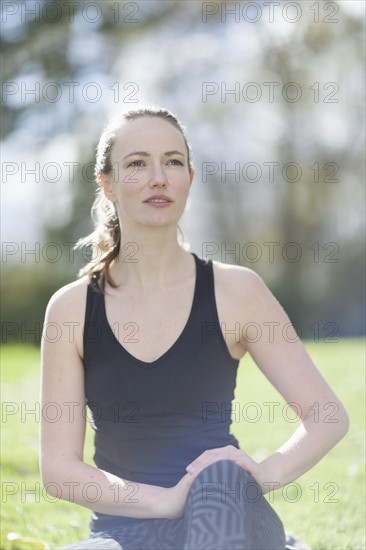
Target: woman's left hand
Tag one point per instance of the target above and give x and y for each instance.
(229, 452)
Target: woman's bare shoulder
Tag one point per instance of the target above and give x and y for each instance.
(69, 298)
(242, 287)
(237, 277)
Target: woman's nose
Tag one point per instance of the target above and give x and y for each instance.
(158, 176)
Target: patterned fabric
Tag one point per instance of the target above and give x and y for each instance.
(225, 510)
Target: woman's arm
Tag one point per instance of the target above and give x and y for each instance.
(283, 359)
(62, 433)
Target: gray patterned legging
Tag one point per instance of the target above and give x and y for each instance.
(225, 510)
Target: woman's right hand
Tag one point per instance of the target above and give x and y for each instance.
(176, 497)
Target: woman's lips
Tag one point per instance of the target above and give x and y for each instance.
(158, 203)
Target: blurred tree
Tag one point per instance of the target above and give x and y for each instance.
(168, 50)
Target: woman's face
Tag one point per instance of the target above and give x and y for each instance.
(150, 180)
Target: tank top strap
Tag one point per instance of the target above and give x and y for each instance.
(92, 327)
(206, 289)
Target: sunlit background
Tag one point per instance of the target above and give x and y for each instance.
(272, 95)
(273, 98)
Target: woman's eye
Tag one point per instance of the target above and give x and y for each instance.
(176, 162)
(135, 163)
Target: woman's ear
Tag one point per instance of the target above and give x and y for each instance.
(105, 184)
(191, 176)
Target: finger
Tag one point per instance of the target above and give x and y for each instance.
(194, 466)
(212, 452)
(199, 466)
(202, 459)
(213, 455)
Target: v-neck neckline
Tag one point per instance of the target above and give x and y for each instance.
(171, 349)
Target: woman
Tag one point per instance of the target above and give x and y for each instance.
(150, 354)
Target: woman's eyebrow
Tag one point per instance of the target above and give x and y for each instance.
(145, 154)
(140, 153)
(170, 153)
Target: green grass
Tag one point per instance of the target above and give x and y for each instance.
(326, 506)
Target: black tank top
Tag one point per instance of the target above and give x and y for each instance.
(152, 419)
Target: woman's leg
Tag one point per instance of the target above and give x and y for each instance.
(93, 543)
(141, 534)
(226, 509)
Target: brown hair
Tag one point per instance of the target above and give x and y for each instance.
(105, 240)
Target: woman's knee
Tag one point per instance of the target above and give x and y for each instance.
(228, 477)
(223, 470)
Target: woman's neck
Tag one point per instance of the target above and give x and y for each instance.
(150, 262)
